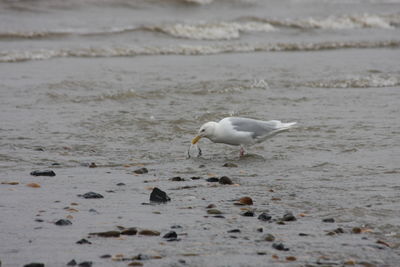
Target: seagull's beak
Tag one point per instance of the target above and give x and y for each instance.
(196, 139)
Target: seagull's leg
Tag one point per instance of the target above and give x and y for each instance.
(241, 151)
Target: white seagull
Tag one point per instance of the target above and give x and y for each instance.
(240, 131)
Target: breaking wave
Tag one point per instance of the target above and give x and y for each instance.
(220, 48)
(369, 81)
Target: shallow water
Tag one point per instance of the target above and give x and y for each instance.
(127, 84)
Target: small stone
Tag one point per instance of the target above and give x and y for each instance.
(288, 217)
(171, 234)
(33, 185)
(349, 262)
(225, 180)
(159, 196)
(176, 226)
(43, 173)
(177, 179)
(107, 234)
(212, 180)
(210, 206)
(214, 211)
(34, 264)
(260, 229)
(121, 184)
(303, 234)
(135, 263)
(328, 220)
(92, 165)
(141, 171)
(83, 241)
(86, 264)
(105, 256)
(129, 231)
(261, 253)
(279, 246)
(92, 195)
(264, 217)
(72, 263)
(195, 178)
(356, 230)
(234, 231)
(219, 216)
(230, 165)
(149, 232)
(269, 238)
(38, 220)
(248, 214)
(63, 222)
(10, 183)
(291, 258)
(245, 201)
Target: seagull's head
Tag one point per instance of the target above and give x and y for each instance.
(206, 130)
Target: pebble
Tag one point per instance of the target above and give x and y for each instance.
(328, 220)
(135, 263)
(291, 258)
(264, 217)
(43, 173)
(72, 263)
(120, 184)
(34, 264)
(269, 238)
(85, 264)
(129, 231)
(83, 241)
(211, 206)
(195, 178)
(245, 201)
(214, 211)
(63, 222)
(212, 180)
(225, 180)
(33, 185)
(107, 234)
(303, 234)
(260, 229)
(176, 226)
(92, 165)
(248, 214)
(91, 195)
(288, 217)
(177, 179)
(105, 256)
(230, 165)
(149, 232)
(141, 171)
(279, 246)
(356, 230)
(234, 231)
(157, 195)
(171, 235)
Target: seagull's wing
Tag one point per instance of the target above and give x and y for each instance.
(260, 130)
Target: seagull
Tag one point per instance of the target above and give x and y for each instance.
(241, 132)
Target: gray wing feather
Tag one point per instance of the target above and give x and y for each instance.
(257, 128)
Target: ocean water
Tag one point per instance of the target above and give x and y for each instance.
(130, 82)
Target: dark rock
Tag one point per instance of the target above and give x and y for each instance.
(85, 264)
(171, 234)
(177, 179)
(211, 206)
(269, 238)
(38, 220)
(219, 216)
(339, 230)
(264, 217)
(248, 214)
(328, 220)
(176, 226)
(244, 201)
(303, 234)
(120, 184)
(288, 217)
(149, 232)
(129, 231)
(92, 165)
(72, 263)
(356, 230)
(225, 180)
(107, 234)
(260, 229)
(43, 173)
(141, 171)
(34, 264)
(279, 246)
(105, 256)
(83, 241)
(202, 166)
(230, 165)
(63, 222)
(55, 164)
(212, 180)
(195, 178)
(234, 231)
(91, 195)
(93, 210)
(159, 196)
